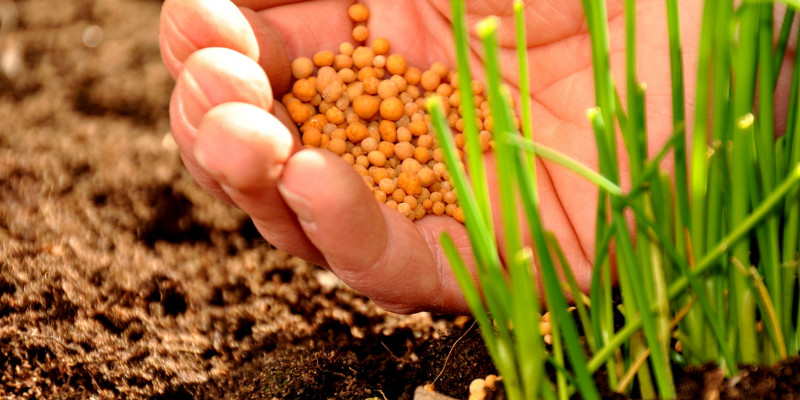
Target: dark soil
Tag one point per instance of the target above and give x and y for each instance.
(120, 278)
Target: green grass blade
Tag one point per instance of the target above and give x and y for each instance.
(567, 162)
(474, 153)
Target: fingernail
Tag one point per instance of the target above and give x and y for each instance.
(299, 204)
(194, 103)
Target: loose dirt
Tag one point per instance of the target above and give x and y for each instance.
(121, 278)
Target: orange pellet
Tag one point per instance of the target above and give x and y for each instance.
(392, 109)
(422, 154)
(418, 127)
(403, 133)
(398, 195)
(348, 158)
(430, 80)
(304, 90)
(380, 46)
(360, 33)
(379, 62)
(396, 64)
(449, 197)
(438, 208)
(366, 106)
(342, 61)
(387, 148)
(358, 12)
(323, 58)
(312, 137)
(412, 75)
(337, 146)
(298, 111)
(376, 158)
(302, 68)
(411, 165)
(426, 177)
(346, 48)
(380, 174)
(403, 150)
(362, 57)
(387, 89)
(347, 75)
(387, 185)
(441, 69)
(409, 182)
(425, 141)
(404, 209)
(356, 132)
(458, 215)
(369, 144)
(334, 115)
(388, 131)
(366, 73)
(370, 85)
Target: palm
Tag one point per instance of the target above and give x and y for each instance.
(562, 89)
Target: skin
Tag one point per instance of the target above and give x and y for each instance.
(231, 59)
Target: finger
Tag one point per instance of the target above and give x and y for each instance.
(371, 247)
(190, 25)
(244, 148)
(212, 77)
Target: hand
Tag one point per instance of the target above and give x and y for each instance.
(239, 144)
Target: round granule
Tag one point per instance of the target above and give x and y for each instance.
(360, 33)
(380, 46)
(392, 108)
(346, 48)
(387, 88)
(323, 58)
(369, 144)
(363, 56)
(412, 75)
(356, 132)
(430, 80)
(403, 150)
(366, 106)
(337, 146)
(298, 111)
(387, 186)
(304, 90)
(358, 12)
(312, 137)
(302, 67)
(396, 64)
(380, 62)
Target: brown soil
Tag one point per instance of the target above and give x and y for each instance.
(120, 278)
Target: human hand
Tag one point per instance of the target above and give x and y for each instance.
(240, 145)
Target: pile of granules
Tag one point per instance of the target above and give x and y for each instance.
(368, 106)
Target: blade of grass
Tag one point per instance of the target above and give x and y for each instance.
(524, 75)
(567, 162)
(555, 299)
(474, 153)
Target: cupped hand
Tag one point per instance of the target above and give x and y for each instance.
(231, 59)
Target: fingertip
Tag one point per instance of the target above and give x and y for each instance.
(242, 146)
(187, 26)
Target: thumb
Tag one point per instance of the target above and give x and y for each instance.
(370, 246)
